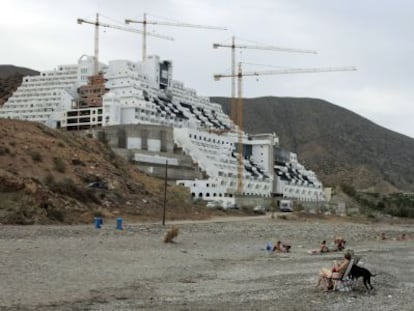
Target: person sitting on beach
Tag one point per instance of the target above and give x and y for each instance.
(339, 244)
(337, 270)
(324, 248)
(279, 246)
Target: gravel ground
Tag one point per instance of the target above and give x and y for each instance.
(212, 266)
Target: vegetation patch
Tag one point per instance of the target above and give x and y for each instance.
(68, 188)
(36, 156)
(4, 150)
(395, 204)
(59, 165)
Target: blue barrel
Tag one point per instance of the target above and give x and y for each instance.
(98, 222)
(119, 224)
(101, 220)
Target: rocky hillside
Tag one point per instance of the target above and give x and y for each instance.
(10, 79)
(339, 145)
(49, 176)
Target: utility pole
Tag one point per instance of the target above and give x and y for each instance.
(165, 192)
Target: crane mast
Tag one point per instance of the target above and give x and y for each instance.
(240, 131)
(96, 54)
(234, 46)
(240, 74)
(146, 22)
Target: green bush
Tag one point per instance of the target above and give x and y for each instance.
(49, 180)
(59, 165)
(55, 214)
(78, 162)
(4, 150)
(102, 137)
(349, 190)
(36, 156)
(69, 188)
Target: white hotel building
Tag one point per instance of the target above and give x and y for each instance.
(145, 93)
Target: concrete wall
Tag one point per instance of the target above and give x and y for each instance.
(252, 201)
(179, 166)
(139, 136)
(174, 172)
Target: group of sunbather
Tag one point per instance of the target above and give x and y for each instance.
(339, 245)
(327, 275)
(399, 237)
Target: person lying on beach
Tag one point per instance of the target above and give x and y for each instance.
(322, 249)
(402, 237)
(280, 247)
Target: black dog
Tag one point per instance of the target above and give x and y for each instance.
(357, 271)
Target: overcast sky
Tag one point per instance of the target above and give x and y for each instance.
(376, 36)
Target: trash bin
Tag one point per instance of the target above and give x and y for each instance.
(119, 224)
(98, 222)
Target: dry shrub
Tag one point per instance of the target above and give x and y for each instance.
(171, 234)
(36, 156)
(59, 165)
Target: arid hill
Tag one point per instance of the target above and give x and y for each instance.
(339, 145)
(46, 176)
(10, 79)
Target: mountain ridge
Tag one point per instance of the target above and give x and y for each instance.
(338, 144)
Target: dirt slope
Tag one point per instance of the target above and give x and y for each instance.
(44, 177)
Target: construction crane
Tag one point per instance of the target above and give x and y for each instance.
(240, 74)
(98, 24)
(235, 46)
(146, 22)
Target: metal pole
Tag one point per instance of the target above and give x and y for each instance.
(96, 64)
(165, 192)
(233, 109)
(144, 37)
(240, 129)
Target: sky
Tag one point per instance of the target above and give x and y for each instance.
(376, 36)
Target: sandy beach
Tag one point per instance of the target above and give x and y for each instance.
(214, 265)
